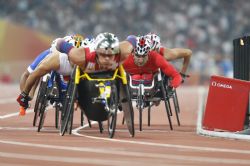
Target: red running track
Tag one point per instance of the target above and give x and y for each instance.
(21, 144)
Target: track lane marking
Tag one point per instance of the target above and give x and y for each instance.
(112, 151)
(15, 114)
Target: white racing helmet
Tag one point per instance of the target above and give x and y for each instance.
(143, 46)
(155, 41)
(107, 43)
(75, 40)
(88, 41)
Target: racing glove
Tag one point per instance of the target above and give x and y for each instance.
(23, 100)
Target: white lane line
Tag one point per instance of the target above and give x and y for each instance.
(82, 160)
(196, 148)
(15, 114)
(112, 151)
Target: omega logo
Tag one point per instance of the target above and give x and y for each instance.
(221, 85)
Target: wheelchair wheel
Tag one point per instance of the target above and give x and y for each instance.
(39, 97)
(70, 123)
(149, 115)
(68, 107)
(100, 126)
(176, 102)
(57, 114)
(176, 106)
(140, 106)
(166, 102)
(113, 106)
(42, 111)
(127, 108)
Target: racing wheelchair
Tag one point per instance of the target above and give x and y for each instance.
(147, 93)
(100, 95)
(51, 91)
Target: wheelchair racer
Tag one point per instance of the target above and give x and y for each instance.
(143, 62)
(107, 54)
(169, 54)
(39, 59)
(45, 63)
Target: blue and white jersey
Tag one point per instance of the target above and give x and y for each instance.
(38, 60)
(46, 53)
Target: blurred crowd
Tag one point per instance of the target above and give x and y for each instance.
(207, 27)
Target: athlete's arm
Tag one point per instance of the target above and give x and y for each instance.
(168, 69)
(76, 55)
(126, 48)
(177, 53)
(50, 63)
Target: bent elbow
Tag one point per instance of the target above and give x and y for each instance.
(77, 57)
(189, 53)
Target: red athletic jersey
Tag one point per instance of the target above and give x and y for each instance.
(155, 62)
(92, 65)
(161, 51)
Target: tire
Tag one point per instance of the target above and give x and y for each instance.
(40, 94)
(43, 102)
(177, 107)
(166, 102)
(70, 123)
(68, 106)
(127, 108)
(149, 113)
(113, 105)
(140, 106)
(57, 115)
(100, 126)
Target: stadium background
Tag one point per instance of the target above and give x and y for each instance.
(206, 27)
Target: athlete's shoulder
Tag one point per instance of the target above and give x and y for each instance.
(54, 42)
(132, 40)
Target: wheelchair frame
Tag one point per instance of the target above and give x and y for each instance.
(174, 98)
(107, 95)
(141, 98)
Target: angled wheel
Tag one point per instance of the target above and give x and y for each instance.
(70, 123)
(149, 115)
(39, 97)
(140, 106)
(100, 126)
(166, 102)
(113, 106)
(68, 106)
(177, 107)
(42, 111)
(127, 108)
(67, 110)
(57, 114)
(176, 102)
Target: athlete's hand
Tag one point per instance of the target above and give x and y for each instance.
(184, 76)
(23, 100)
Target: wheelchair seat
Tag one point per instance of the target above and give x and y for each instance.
(86, 92)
